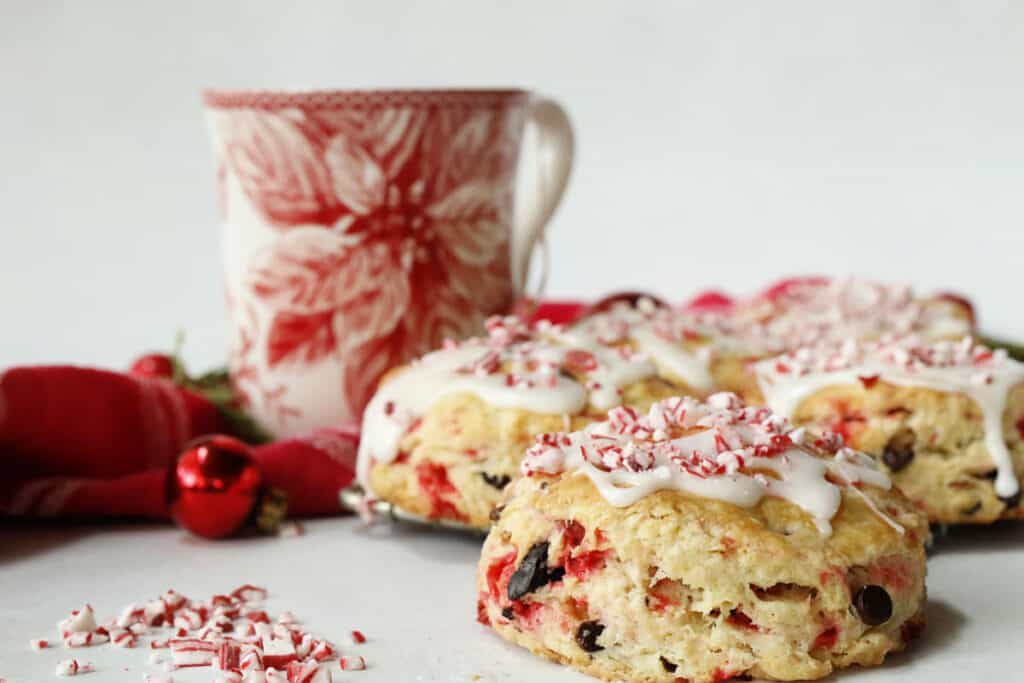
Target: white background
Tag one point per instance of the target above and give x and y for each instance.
(720, 143)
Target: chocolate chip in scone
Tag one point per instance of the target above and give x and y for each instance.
(873, 605)
(668, 666)
(508, 613)
(495, 513)
(1011, 501)
(587, 635)
(911, 630)
(899, 450)
(988, 474)
(498, 481)
(533, 572)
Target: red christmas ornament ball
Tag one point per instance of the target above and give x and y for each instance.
(214, 486)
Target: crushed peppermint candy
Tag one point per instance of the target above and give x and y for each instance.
(910, 354)
(291, 529)
(230, 632)
(250, 594)
(355, 663)
(718, 448)
(73, 667)
(964, 367)
(308, 672)
(80, 621)
(81, 639)
(122, 637)
(274, 676)
(39, 643)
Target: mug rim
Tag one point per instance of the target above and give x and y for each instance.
(257, 98)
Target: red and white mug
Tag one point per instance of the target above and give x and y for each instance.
(362, 228)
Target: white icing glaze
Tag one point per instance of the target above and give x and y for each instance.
(716, 449)
(964, 367)
(659, 333)
(513, 367)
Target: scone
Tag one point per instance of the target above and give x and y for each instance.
(444, 436)
(710, 345)
(802, 311)
(807, 311)
(703, 542)
(946, 420)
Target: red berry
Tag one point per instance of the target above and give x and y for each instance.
(153, 365)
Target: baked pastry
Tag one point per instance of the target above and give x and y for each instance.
(444, 436)
(709, 344)
(946, 420)
(703, 542)
(807, 311)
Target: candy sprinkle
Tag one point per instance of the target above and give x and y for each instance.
(230, 632)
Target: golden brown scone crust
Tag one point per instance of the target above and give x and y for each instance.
(949, 474)
(682, 588)
(733, 373)
(440, 471)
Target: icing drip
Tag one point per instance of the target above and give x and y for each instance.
(513, 367)
(983, 375)
(661, 333)
(716, 449)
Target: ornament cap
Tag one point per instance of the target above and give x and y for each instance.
(271, 511)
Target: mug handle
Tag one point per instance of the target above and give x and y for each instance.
(554, 155)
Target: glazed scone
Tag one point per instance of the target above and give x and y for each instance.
(443, 437)
(703, 542)
(805, 311)
(945, 420)
(711, 344)
(809, 311)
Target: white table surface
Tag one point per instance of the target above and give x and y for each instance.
(411, 591)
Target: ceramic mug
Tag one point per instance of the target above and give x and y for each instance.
(362, 228)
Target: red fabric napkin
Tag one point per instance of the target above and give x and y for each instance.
(80, 442)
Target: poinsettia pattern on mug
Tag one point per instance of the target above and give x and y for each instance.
(393, 229)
